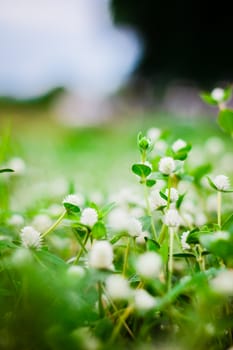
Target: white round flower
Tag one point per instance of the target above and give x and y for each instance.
(55, 209)
(153, 134)
(89, 217)
(217, 94)
(143, 300)
(16, 220)
(22, 257)
(30, 237)
(149, 265)
(220, 235)
(184, 244)
(178, 145)
(74, 199)
(118, 287)
(141, 239)
(134, 228)
(101, 255)
(156, 200)
(222, 182)
(200, 219)
(174, 195)
(18, 165)
(172, 218)
(118, 220)
(223, 283)
(41, 222)
(214, 145)
(167, 165)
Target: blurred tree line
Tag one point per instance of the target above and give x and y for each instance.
(183, 39)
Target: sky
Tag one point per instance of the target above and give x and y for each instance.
(46, 44)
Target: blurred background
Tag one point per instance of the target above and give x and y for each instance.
(80, 78)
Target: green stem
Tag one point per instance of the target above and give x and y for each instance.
(170, 260)
(219, 206)
(122, 319)
(126, 257)
(169, 185)
(100, 303)
(149, 213)
(82, 249)
(51, 228)
(162, 234)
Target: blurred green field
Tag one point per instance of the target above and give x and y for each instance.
(91, 158)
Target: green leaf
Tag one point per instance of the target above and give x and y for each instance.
(150, 183)
(183, 255)
(227, 224)
(99, 230)
(146, 222)
(180, 200)
(152, 245)
(201, 171)
(163, 195)
(211, 183)
(117, 237)
(182, 153)
(207, 98)
(141, 170)
(4, 243)
(225, 120)
(6, 170)
(106, 209)
(227, 93)
(72, 208)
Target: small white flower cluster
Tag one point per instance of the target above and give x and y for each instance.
(101, 255)
(217, 94)
(117, 287)
(16, 220)
(172, 218)
(222, 182)
(223, 283)
(74, 199)
(174, 195)
(18, 165)
(30, 237)
(156, 201)
(41, 222)
(149, 265)
(89, 217)
(143, 301)
(153, 134)
(184, 244)
(167, 165)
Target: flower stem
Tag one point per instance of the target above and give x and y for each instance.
(219, 207)
(170, 260)
(126, 257)
(56, 223)
(122, 319)
(149, 213)
(82, 247)
(100, 303)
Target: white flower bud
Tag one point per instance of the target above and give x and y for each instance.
(16, 220)
(153, 134)
(134, 227)
(223, 283)
(217, 94)
(75, 271)
(156, 200)
(149, 265)
(74, 199)
(101, 255)
(143, 300)
(89, 217)
(172, 218)
(118, 287)
(173, 194)
(178, 145)
(184, 244)
(222, 182)
(41, 222)
(18, 165)
(30, 237)
(166, 165)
